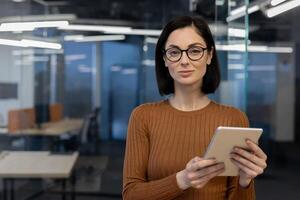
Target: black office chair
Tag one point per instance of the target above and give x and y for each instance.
(89, 133)
(86, 140)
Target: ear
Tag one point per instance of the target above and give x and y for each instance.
(210, 56)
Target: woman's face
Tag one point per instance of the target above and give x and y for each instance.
(187, 71)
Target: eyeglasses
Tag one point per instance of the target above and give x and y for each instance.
(194, 53)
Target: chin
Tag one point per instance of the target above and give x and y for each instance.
(187, 82)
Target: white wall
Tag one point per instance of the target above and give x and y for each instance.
(12, 71)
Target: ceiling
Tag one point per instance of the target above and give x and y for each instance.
(151, 14)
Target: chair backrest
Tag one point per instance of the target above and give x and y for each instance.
(56, 112)
(84, 131)
(89, 130)
(21, 119)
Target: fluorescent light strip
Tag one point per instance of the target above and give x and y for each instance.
(282, 8)
(31, 18)
(276, 2)
(41, 44)
(101, 38)
(16, 29)
(95, 38)
(254, 48)
(73, 37)
(15, 43)
(26, 52)
(253, 9)
(29, 26)
(113, 29)
(149, 32)
(30, 43)
(235, 32)
(240, 12)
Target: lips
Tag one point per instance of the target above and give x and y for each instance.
(186, 73)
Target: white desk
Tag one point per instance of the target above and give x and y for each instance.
(52, 128)
(35, 164)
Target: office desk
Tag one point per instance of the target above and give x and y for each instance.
(36, 164)
(52, 128)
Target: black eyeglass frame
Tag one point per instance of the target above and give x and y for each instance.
(186, 51)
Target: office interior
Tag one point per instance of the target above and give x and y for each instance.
(71, 72)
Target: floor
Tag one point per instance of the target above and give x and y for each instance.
(100, 177)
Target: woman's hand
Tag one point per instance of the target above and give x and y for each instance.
(198, 172)
(250, 164)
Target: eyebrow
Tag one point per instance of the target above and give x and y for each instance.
(193, 44)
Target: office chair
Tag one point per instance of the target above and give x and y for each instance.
(86, 141)
(89, 138)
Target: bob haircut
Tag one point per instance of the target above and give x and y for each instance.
(165, 82)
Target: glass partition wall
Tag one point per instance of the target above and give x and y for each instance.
(231, 35)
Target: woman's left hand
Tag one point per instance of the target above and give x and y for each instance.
(251, 163)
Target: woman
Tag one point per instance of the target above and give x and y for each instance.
(166, 139)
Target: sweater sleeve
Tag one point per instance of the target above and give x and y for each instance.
(234, 190)
(135, 182)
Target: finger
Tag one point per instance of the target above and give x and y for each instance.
(195, 159)
(245, 169)
(256, 149)
(250, 156)
(203, 180)
(201, 164)
(203, 172)
(247, 163)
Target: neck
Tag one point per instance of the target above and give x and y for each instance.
(189, 99)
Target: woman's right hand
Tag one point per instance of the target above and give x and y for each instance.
(198, 172)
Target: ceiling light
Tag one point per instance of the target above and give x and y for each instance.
(241, 11)
(95, 38)
(41, 44)
(276, 2)
(16, 29)
(73, 37)
(30, 26)
(31, 18)
(235, 32)
(282, 8)
(238, 10)
(102, 38)
(114, 29)
(254, 48)
(30, 43)
(148, 32)
(15, 43)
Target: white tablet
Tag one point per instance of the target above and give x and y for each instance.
(225, 139)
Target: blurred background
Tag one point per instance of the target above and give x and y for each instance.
(71, 71)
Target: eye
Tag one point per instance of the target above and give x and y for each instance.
(173, 52)
(195, 50)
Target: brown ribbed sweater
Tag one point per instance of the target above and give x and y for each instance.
(160, 142)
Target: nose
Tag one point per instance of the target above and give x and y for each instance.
(184, 58)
